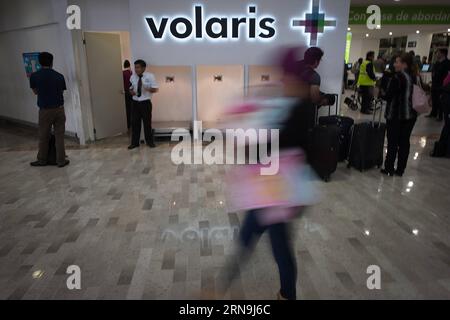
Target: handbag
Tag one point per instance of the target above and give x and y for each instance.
(291, 186)
(420, 99)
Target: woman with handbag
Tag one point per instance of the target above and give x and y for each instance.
(272, 202)
(400, 114)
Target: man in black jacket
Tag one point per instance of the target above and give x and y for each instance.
(440, 71)
(442, 146)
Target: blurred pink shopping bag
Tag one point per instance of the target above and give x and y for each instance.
(293, 186)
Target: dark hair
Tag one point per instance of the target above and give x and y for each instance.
(45, 59)
(444, 51)
(370, 54)
(126, 64)
(392, 61)
(412, 53)
(408, 58)
(141, 63)
(360, 60)
(313, 55)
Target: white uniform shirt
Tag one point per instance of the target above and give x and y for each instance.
(148, 82)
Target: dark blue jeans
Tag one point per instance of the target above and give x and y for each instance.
(249, 235)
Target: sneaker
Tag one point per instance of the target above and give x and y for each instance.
(132, 146)
(38, 164)
(151, 145)
(65, 163)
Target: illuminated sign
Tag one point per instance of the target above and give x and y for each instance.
(213, 27)
(314, 23)
(199, 27)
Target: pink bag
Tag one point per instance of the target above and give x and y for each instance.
(447, 80)
(420, 99)
(292, 186)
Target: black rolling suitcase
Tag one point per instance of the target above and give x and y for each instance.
(367, 142)
(345, 125)
(323, 150)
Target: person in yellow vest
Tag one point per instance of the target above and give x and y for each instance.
(366, 82)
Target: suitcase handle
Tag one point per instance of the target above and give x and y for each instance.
(336, 103)
(376, 102)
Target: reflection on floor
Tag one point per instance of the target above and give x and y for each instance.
(140, 227)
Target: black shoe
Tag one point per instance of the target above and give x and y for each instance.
(38, 164)
(430, 116)
(65, 163)
(439, 119)
(398, 173)
(132, 146)
(388, 173)
(366, 112)
(151, 145)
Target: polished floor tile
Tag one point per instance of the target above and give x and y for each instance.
(140, 227)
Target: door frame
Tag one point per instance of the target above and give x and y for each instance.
(82, 78)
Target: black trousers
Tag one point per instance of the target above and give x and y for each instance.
(128, 106)
(366, 97)
(437, 110)
(398, 136)
(141, 112)
(444, 140)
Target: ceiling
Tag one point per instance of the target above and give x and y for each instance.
(360, 31)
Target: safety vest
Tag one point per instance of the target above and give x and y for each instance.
(364, 79)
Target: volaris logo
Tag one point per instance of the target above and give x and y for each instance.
(251, 26)
(314, 23)
(213, 27)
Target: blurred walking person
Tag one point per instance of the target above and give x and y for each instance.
(276, 219)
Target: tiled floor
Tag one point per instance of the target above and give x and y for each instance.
(140, 227)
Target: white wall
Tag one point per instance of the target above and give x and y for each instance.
(360, 46)
(20, 14)
(105, 15)
(173, 102)
(24, 27)
(423, 43)
(34, 26)
(242, 51)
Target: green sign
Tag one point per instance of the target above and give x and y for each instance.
(404, 15)
(348, 46)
